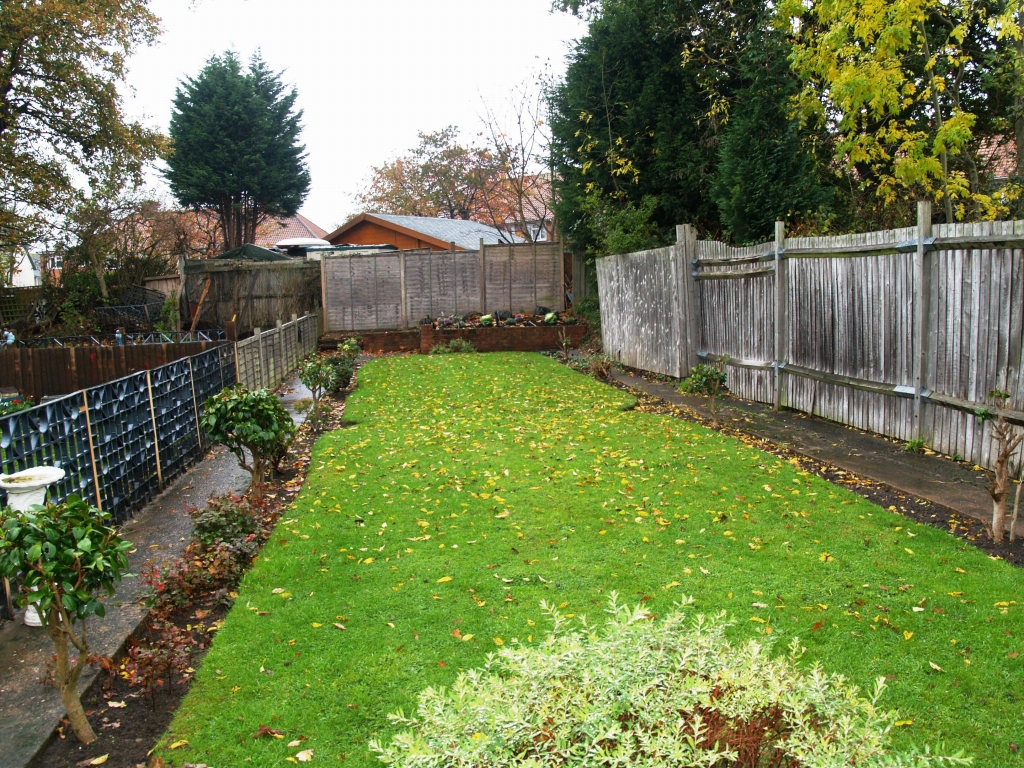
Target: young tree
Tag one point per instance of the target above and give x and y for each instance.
(439, 177)
(68, 555)
(707, 379)
(236, 150)
(1007, 439)
(61, 115)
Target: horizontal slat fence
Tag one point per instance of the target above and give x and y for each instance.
(397, 289)
(51, 371)
(902, 333)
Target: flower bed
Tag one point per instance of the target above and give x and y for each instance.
(515, 338)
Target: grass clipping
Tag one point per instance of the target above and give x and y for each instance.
(645, 692)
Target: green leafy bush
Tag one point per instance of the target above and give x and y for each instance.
(224, 520)
(68, 555)
(14, 404)
(668, 693)
(453, 347)
(253, 421)
(344, 369)
(351, 346)
(319, 376)
(709, 380)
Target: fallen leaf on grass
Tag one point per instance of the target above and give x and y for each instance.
(339, 626)
(1012, 655)
(295, 743)
(443, 579)
(817, 625)
(179, 744)
(265, 730)
(315, 624)
(935, 666)
(901, 723)
(907, 635)
(502, 515)
(304, 756)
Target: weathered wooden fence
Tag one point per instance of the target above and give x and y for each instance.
(397, 289)
(267, 357)
(902, 333)
(50, 371)
(253, 294)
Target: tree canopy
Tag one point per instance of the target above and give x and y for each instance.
(236, 146)
(61, 116)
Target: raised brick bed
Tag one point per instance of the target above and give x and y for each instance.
(376, 342)
(504, 339)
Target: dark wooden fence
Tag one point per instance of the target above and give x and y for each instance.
(902, 333)
(51, 371)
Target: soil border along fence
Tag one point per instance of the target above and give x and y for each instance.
(902, 333)
(122, 442)
(396, 289)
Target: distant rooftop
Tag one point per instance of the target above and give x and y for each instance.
(273, 231)
(465, 234)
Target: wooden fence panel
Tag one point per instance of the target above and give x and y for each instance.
(850, 345)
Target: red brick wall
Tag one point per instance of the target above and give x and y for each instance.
(515, 339)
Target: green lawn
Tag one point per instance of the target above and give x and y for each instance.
(471, 487)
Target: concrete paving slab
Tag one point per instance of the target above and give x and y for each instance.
(30, 711)
(934, 478)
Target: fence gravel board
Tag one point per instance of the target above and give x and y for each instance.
(849, 336)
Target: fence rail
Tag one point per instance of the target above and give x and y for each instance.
(267, 357)
(127, 339)
(903, 333)
(397, 289)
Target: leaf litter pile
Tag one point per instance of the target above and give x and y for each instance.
(468, 488)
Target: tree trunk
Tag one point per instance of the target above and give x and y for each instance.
(1016, 508)
(66, 677)
(998, 517)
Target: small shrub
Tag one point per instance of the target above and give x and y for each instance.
(14, 404)
(344, 369)
(486, 320)
(253, 421)
(318, 374)
(156, 664)
(225, 520)
(453, 347)
(351, 346)
(708, 380)
(914, 446)
(671, 693)
(70, 555)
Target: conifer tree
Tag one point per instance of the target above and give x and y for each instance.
(236, 146)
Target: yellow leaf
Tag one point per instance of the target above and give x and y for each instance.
(901, 723)
(757, 619)
(116, 704)
(908, 550)
(304, 756)
(467, 637)
(367, 561)
(954, 594)
(768, 630)
(907, 635)
(601, 533)
(179, 744)
(315, 624)
(960, 570)
(672, 584)
(98, 760)
(498, 641)
(825, 557)
(443, 579)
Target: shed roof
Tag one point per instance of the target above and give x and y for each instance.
(465, 234)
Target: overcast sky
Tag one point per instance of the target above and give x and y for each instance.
(370, 74)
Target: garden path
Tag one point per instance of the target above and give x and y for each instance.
(30, 711)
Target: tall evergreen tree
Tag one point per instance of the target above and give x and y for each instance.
(765, 172)
(236, 149)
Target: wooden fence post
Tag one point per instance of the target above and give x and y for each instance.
(483, 279)
(403, 289)
(156, 436)
(921, 346)
(92, 450)
(689, 320)
(781, 313)
(279, 359)
(195, 405)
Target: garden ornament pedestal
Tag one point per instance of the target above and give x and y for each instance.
(24, 489)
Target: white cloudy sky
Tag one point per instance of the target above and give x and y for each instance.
(370, 74)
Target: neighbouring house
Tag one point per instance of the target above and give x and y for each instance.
(273, 231)
(407, 232)
(998, 155)
(529, 203)
(25, 270)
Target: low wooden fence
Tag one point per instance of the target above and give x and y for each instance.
(50, 371)
(252, 294)
(267, 357)
(397, 289)
(902, 333)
